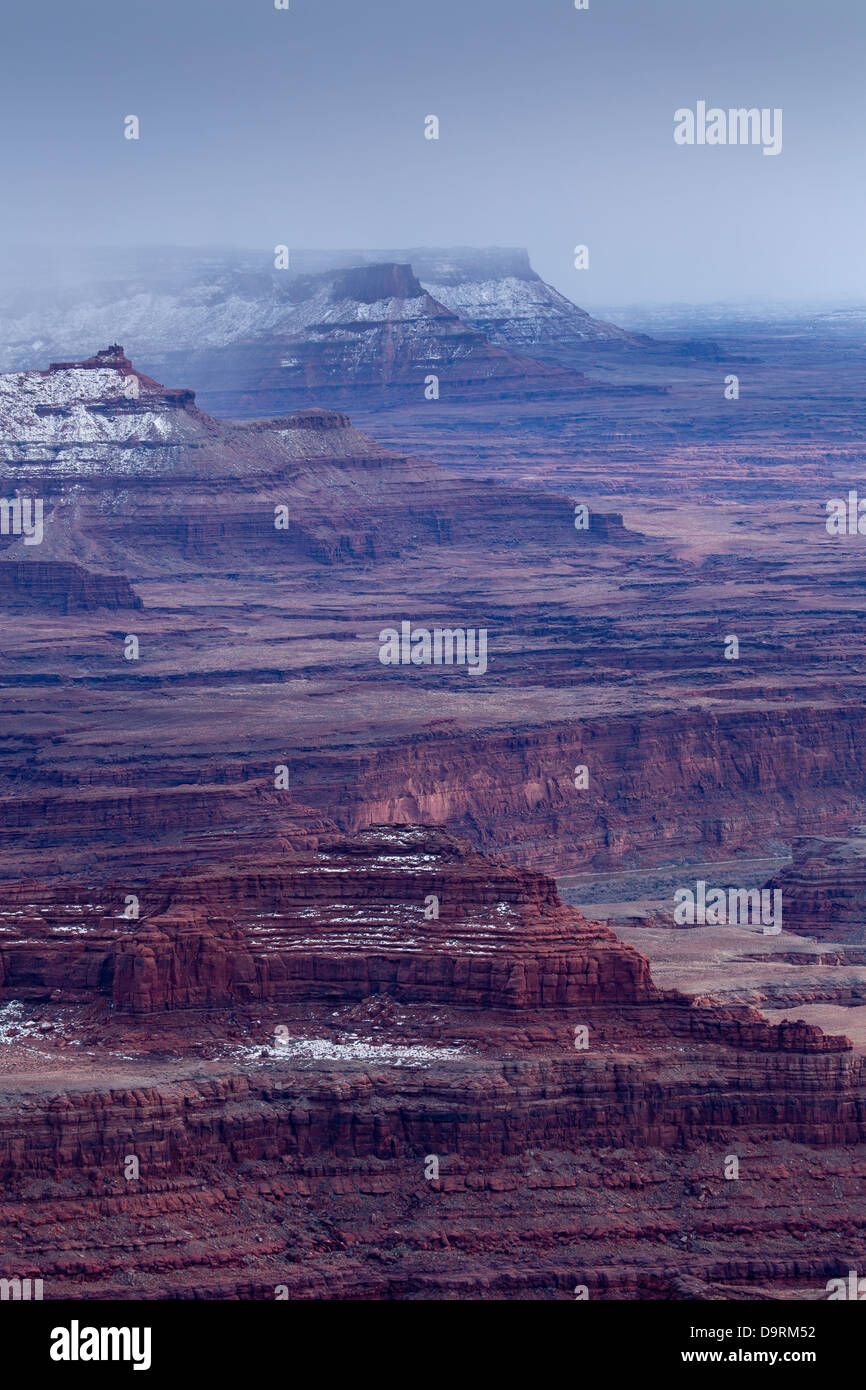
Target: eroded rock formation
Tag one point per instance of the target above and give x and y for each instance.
(824, 890)
(435, 309)
(267, 558)
(326, 1090)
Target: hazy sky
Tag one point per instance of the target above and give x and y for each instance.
(306, 127)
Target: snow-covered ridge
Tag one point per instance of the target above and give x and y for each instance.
(510, 298)
(57, 407)
(238, 298)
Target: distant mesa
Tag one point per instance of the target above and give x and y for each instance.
(367, 335)
(338, 328)
(134, 479)
(315, 418)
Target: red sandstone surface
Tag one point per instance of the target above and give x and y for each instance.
(284, 1045)
(824, 888)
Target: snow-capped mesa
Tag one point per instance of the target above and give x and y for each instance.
(494, 290)
(348, 337)
(497, 291)
(101, 398)
(374, 332)
(108, 477)
(94, 417)
(176, 309)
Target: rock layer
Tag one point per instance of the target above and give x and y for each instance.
(62, 587)
(579, 1118)
(824, 890)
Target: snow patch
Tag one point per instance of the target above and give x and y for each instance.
(353, 1050)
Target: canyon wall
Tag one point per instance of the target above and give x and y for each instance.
(210, 1105)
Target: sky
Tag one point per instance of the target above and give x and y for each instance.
(305, 127)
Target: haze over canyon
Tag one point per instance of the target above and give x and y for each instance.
(432, 667)
(277, 901)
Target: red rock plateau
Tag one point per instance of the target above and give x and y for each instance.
(288, 1076)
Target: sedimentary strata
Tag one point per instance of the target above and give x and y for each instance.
(284, 1077)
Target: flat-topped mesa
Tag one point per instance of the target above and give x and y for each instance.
(392, 918)
(369, 284)
(610, 526)
(354, 335)
(824, 889)
(316, 418)
(411, 911)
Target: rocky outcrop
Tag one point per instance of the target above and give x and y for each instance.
(208, 1097)
(62, 587)
(500, 939)
(334, 924)
(134, 477)
(824, 890)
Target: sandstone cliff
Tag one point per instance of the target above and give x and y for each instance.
(824, 890)
(284, 1044)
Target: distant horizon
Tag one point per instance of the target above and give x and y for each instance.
(50, 257)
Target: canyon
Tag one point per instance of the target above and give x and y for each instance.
(279, 922)
(824, 887)
(606, 647)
